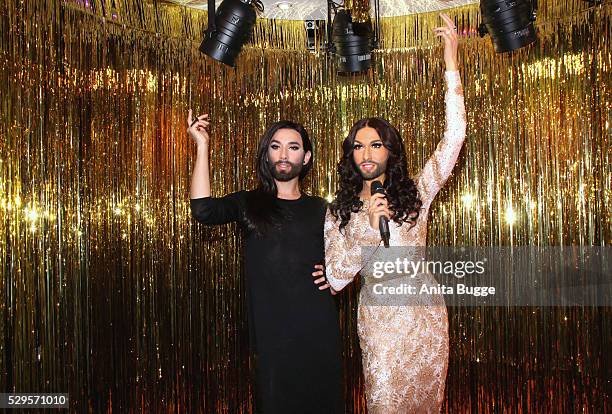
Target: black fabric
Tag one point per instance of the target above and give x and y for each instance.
(295, 325)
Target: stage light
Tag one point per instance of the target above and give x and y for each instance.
(230, 29)
(315, 34)
(509, 22)
(284, 5)
(352, 43)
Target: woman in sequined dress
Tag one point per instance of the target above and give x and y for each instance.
(404, 348)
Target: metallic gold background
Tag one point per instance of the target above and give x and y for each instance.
(111, 292)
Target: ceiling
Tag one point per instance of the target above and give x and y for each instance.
(317, 9)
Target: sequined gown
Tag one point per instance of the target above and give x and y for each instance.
(404, 348)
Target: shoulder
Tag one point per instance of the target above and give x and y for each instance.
(317, 201)
(314, 206)
(238, 196)
(245, 195)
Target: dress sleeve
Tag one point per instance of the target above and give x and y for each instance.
(211, 210)
(342, 254)
(440, 165)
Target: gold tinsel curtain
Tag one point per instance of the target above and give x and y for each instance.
(111, 292)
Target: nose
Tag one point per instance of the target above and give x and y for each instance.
(283, 154)
(367, 153)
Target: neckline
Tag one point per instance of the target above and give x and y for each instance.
(286, 200)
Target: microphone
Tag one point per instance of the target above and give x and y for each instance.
(383, 221)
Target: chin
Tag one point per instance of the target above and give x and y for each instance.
(370, 176)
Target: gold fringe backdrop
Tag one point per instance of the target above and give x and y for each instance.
(111, 292)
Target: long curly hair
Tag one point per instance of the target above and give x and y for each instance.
(402, 193)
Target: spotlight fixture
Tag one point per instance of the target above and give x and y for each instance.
(509, 22)
(229, 29)
(284, 5)
(315, 34)
(352, 43)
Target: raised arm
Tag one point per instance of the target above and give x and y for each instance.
(200, 178)
(440, 165)
(343, 255)
(204, 208)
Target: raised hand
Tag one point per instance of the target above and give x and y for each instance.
(197, 128)
(448, 33)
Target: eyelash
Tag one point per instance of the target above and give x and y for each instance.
(276, 146)
(375, 146)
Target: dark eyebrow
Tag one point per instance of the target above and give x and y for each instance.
(361, 143)
(290, 143)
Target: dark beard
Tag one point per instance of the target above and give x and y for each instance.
(293, 172)
(376, 172)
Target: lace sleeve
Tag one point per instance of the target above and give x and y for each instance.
(343, 255)
(439, 166)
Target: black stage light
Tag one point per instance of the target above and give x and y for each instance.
(230, 29)
(509, 22)
(352, 43)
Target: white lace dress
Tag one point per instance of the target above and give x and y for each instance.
(404, 348)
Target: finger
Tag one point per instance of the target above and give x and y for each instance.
(323, 287)
(189, 118)
(449, 22)
(200, 124)
(320, 280)
(378, 209)
(446, 37)
(315, 274)
(443, 30)
(375, 197)
(197, 119)
(319, 267)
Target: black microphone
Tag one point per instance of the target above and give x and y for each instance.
(383, 221)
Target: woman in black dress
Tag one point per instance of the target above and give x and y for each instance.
(293, 324)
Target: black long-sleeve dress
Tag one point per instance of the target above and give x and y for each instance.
(294, 325)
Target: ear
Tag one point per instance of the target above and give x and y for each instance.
(307, 157)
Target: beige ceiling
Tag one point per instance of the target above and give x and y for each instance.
(317, 9)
